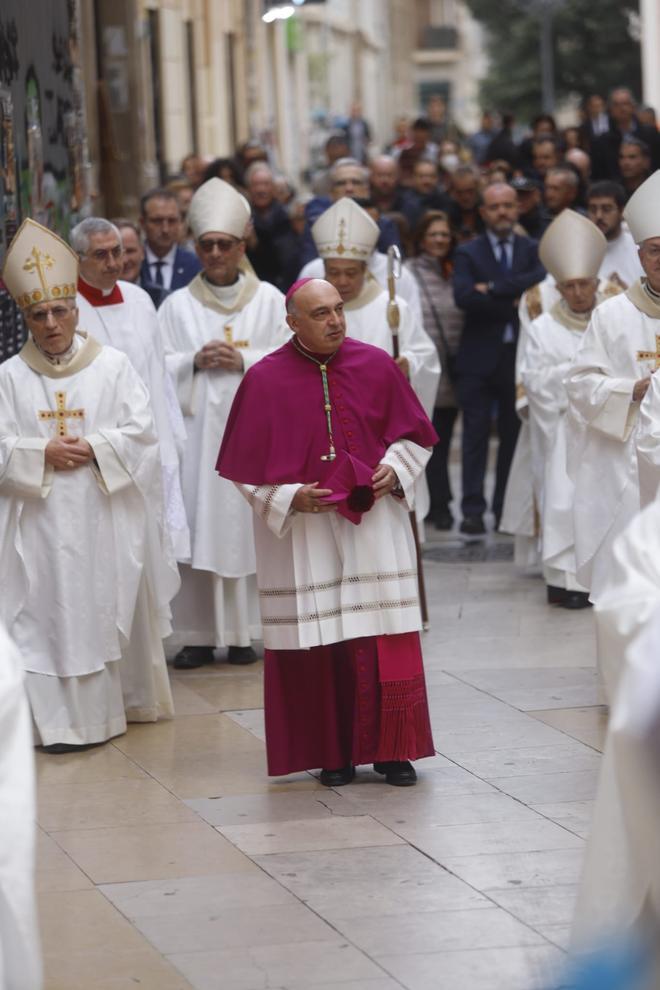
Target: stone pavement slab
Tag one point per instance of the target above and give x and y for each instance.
(179, 864)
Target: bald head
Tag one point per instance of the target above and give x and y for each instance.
(383, 175)
(315, 313)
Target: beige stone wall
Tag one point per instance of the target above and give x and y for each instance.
(259, 80)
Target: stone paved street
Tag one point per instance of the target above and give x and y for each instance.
(169, 860)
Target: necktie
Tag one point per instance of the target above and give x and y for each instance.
(502, 255)
(158, 277)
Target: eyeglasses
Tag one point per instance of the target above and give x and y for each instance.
(208, 243)
(103, 254)
(58, 313)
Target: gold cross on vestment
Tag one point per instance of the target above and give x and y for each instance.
(651, 355)
(40, 263)
(229, 338)
(61, 414)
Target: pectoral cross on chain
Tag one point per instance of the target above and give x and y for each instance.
(40, 263)
(651, 355)
(61, 414)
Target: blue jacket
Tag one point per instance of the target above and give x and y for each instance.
(186, 266)
(488, 314)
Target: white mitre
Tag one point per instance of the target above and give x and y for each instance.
(216, 206)
(39, 266)
(572, 247)
(345, 231)
(642, 211)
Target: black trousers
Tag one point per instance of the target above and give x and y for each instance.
(437, 469)
(479, 396)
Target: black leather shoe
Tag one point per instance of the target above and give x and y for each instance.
(241, 655)
(398, 774)
(193, 656)
(576, 599)
(65, 748)
(443, 520)
(337, 778)
(473, 526)
(556, 595)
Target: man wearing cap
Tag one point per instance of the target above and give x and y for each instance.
(121, 314)
(345, 236)
(214, 330)
(331, 481)
(87, 578)
(611, 375)
(572, 250)
(531, 216)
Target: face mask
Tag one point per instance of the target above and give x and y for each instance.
(450, 162)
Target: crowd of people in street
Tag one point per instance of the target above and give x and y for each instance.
(205, 440)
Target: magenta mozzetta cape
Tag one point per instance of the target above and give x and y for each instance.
(277, 430)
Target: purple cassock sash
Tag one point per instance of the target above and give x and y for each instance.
(277, 430)
(277, 433)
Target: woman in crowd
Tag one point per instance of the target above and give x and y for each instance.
(432, 267)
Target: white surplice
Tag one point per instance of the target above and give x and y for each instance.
(602, 427)
(20, 957)
(85, 566)
(552, 342)
(520, 512)
(132, 327)
(648, 443)
(407, 287)
(621, 262)
(324, 580)
(366, 320)
(621, 876)
(218, 604)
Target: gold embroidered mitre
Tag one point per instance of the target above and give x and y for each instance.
(39, 266)
(345, 231)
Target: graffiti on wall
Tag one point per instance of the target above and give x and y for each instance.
(43, 152)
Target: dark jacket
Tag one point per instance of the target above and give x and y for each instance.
(488, 314)
(605, 150)
(276, 258)
(186, 266)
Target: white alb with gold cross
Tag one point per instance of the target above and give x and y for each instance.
(64, 422)
(219, 519)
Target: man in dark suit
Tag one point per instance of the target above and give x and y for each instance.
(623, 123)
(491, 272)
(166, 266)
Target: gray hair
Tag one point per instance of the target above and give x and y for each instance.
(569, 174)
(258, 167)
(82, 232)
(341, 162)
